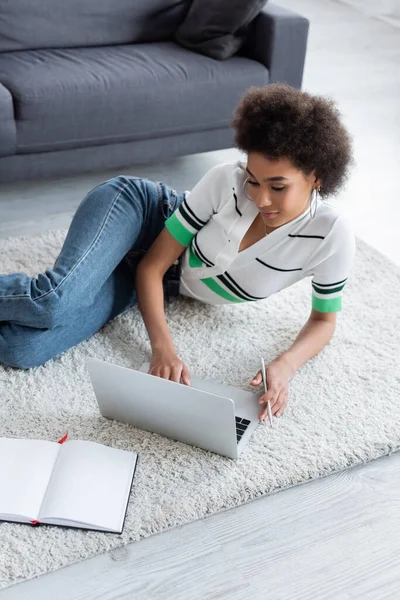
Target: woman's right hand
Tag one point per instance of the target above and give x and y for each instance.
(166, 364)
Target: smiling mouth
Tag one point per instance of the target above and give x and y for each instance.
(269, 214)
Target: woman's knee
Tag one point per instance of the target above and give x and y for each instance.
(156, 199)
(134, 186)
(140, 195)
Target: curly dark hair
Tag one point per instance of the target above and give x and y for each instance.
(280, 121)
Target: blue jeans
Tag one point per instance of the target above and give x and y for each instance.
(92, 280)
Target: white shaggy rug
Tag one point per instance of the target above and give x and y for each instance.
(344, 405)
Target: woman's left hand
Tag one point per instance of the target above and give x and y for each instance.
(278, 375)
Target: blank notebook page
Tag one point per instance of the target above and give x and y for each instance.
(90, 485)
(25, 470)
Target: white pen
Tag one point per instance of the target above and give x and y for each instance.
(264, 378)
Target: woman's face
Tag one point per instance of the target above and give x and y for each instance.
(280, 191)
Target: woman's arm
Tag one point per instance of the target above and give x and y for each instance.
(312, 338)
(150, 293)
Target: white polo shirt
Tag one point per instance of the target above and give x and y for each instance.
(213, 219)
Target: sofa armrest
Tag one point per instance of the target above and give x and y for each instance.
(277, 38)
(8, 129)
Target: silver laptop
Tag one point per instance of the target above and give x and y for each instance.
(207, 414)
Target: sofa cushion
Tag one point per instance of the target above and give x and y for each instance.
(91, 96)
(32, 24)
(8, 133)
(217, 29)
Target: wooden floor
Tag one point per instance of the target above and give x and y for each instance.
(336, 538)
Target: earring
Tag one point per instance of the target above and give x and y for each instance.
(314, 199)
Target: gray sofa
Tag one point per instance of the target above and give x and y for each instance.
(95, 85)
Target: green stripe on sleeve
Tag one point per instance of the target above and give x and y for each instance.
(178, 231)
(327, 305)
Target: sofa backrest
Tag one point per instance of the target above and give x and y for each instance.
(34, 24)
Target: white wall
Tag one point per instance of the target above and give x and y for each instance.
(387, 10)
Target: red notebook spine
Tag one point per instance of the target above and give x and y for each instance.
(63, 439)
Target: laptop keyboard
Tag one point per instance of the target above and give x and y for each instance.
(241, 426)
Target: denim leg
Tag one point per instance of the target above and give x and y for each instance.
(84, 289)
(26, 347)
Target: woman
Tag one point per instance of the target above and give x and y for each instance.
(245, 232)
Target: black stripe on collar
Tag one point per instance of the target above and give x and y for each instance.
(317, 237)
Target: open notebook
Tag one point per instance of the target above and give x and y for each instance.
(75, 484)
